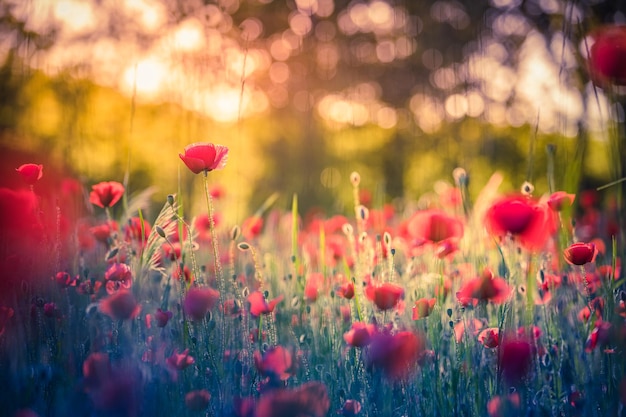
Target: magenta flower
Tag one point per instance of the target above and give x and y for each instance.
(204, 156)
(120, 306)
(607, 56)
(199, 301)
(180, 361)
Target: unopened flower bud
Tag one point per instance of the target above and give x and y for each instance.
(355, 178)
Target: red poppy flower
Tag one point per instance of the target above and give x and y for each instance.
(346, 290)
(252, 227)
(434, 226)
(134, 228)
(313, 283)
(275, 363)
(580, 253)
(360, 334)
(259, 305)
(162, 317)
(64, 280)
(204, 156)
(102, 232)
(30, 173)
(524, 218)
(607, 55)
(515, 358)
(599, 336)
(396, 355)
(121, 305)
(473, 326)
(197, 400)
(485, 287)
(96, 369)
(310, 399)
(560, 199)
(490, 337)
(199, 301)
(423, 307)
(350, 408)
(500, 406)
(106, 194)
(385, 296)
(180, 361)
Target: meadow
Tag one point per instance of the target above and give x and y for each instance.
(511, 304)
(135, 280)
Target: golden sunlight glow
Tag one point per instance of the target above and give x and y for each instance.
(189, 36)
(76, 16)
(224, 103)
(147, 78)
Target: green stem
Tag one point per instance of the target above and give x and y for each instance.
(216, 256)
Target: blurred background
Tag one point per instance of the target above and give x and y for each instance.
(304, 92)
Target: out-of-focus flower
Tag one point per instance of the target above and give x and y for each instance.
(522, 217)
(106, 194)
(199, 300)
(310, 399)
(64, 280)
(360, 334)
(489, 337)
(423, 307)
(137, 230)
(346, 290)
(252, 227)
(118, 276)
(560, 199)
(607, 55)
(350, 408)
(314, 282)
(515, 358)
(395, 354)
(162, 317)
(501, 406)
(5, 314)
(275, 363)
(434, 226)
(485, 287)
(385, 296)
(259, 305)
(180, 361)
(30, 173)
(121, 305)
(197, 400)
(204, 156)
(580, 253)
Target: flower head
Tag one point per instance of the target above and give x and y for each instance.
(197, 400)
(204, 156)
(258, 304)
(522, 217)
(275, 363)
(385, 296)
(580, 253)
(121, 305)
(607, 56)
(30, 173)
(360, 334)
(490, 337)
(484, 287)
(106, 194)
(434, 226)
(199, 301)
(310, 399)
(423, 307)
(397, 354)
(180, 361)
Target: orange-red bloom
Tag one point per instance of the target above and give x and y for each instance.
(259, 305)
(360, 334)
(199, 301)
(607, 56)
(106, 194)
(423, 307)
(275, 363)
(180, 361)
(385, 296)
(30, 173)
(560, 199)
(204, 156)
(490, 337)
(434, 226)
(484, 287)
(515, 358)
(522, 217)
(580, 253)
(346, 290)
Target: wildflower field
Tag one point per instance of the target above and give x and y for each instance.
(472, 299)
